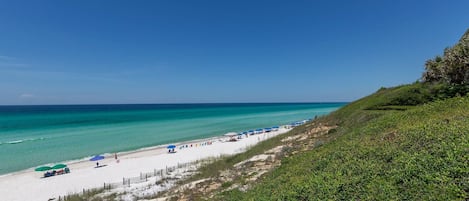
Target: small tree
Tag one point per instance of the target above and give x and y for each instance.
(453, 67)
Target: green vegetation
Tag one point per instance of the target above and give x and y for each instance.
(418, 154)
(409, 142)
(214, 169)
(453, 67)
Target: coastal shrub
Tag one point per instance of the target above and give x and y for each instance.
(451, 68)
(417, 154)
(226, 184)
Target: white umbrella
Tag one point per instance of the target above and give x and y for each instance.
(231, 134)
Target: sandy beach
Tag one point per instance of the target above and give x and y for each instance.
(29, 185)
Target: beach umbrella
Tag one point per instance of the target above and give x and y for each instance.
(97, 158)
(231, 134)
(59, 166)
(43, 168)
(171, 146)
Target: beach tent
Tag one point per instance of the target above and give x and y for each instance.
(231, 135)
(250, 132)
(259, 130)
(275, 128)
(267, 130)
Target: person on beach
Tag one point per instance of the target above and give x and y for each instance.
(97, 164)
(115, 156)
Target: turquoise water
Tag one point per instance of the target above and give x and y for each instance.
(34, 135)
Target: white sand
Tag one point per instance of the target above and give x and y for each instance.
(28, 185)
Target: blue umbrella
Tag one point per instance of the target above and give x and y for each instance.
(97, 158)
(171, 146)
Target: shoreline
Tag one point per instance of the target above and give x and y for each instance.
(107, 155)
(84, 159)
(84, 175)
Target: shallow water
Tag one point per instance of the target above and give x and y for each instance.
(36, 135)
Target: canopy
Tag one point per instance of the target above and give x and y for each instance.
(43, 168)
(97, 158)
(231, 134)
(171, 146)
(59, 166)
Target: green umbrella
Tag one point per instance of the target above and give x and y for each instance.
(43, 168)
(59, 166)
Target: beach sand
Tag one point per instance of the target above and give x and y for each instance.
(28, 185)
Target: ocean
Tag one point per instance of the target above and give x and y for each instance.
(35, 135)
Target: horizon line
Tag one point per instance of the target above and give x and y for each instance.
(89, 104)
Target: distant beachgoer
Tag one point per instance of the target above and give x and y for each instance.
(115, 156)
(97, 164)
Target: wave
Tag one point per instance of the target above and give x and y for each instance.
(22, 141)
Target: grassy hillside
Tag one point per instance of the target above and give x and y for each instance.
(388, 146)
(401, 143)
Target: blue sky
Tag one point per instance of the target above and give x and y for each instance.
(85, 52)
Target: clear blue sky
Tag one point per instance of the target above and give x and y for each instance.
(85, 52)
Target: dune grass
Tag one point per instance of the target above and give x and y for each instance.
(420, 153)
